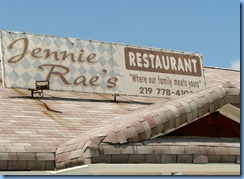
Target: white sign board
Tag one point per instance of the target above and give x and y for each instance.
(97, 67)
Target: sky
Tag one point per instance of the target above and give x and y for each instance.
(210, 27)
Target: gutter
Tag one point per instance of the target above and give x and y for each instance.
(140, 169)
(152, 169)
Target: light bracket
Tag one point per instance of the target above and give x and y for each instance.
(40, 86)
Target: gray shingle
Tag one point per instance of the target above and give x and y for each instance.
(134, 133)
(153, 158)
(207, 150)
(136, 158)
(191, 149)
(221, 159)
(159, 123)
(138, 126)
(177, 149)
(121, 137)
(158, 149)
(197, 158)
(49, 165)
(184, 158)
(111, 149)
(26, 156)
(221, 150)
(144, 149)
(102, 159)
(74, 154)
(3, 165)
(122, 158)
(237, 159)
(17, 165)
(234, 150)
(169, 158)
(36, 165)
(128, 149)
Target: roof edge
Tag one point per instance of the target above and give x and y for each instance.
(221, 68)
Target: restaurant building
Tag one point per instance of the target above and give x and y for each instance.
(71, 132)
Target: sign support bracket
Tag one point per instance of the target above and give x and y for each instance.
(40, 86)
(115, 99)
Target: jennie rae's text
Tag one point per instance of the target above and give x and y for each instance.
(60, 71)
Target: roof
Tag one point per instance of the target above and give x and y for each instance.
(215, 76)
(66, 129)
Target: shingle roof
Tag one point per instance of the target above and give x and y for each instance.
(143, 124)
(32, 129)
(170, 150)
(214, 76)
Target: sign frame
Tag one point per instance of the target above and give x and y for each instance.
(71, 64)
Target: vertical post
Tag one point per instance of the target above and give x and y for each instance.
(32, 93)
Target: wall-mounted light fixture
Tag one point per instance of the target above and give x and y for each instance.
(40, 86)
